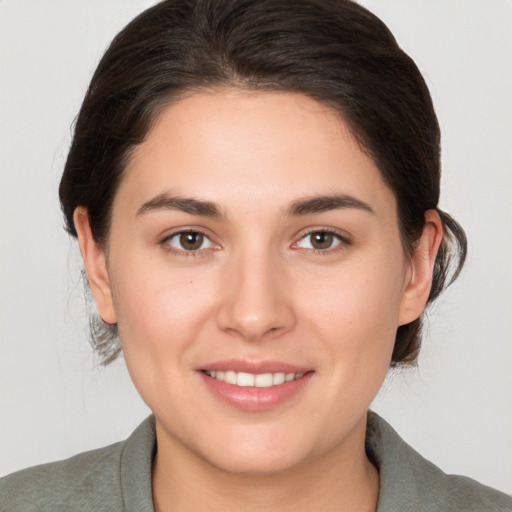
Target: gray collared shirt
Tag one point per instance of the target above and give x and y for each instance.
(118, 478)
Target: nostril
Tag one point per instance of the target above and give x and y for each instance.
(253, 303)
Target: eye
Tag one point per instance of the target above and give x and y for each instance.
(320, 240)
(189, 241)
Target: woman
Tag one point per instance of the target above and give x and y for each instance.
(254, 187)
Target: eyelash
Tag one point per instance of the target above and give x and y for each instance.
(165, 243)
(343, 242)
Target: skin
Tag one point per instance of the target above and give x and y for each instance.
(257, 290)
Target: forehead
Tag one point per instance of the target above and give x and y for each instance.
(233, 146)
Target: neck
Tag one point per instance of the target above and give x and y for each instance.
(342, 480)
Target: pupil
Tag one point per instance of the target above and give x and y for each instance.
(322, 240)
(191, 241)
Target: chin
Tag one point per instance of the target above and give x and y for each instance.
(256, 451)
(254, 462)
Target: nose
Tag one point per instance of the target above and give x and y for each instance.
(255, 300)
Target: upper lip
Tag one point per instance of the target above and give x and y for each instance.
(255, 367)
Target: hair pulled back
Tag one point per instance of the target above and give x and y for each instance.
(333, 51)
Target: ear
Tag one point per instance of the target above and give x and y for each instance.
(95, 266)
(421, 268)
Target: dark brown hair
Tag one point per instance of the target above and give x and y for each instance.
(334, 51)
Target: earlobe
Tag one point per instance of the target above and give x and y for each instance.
(95, 266)
(421, 268)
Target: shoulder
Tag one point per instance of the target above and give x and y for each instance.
(105, 479)
(410, 482)
(64, 485)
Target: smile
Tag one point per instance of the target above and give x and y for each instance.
(260, 380)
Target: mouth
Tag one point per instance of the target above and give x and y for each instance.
(252, 386)
(259, 380)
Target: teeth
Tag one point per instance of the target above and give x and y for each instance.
(278, 378)
(230, 377)
(244, 379)
(261, 380)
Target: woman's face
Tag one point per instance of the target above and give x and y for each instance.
(252, 241)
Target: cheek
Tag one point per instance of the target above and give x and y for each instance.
(160, 316)
(358, 297)
(355, 312)
(160, 310)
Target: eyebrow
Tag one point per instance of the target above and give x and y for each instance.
(319, 204)
(184, 204)
(190, 205)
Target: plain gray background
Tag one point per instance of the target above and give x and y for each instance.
(55, 401)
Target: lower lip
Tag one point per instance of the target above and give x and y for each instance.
(253, 398)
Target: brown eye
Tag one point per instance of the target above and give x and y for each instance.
(189, 241)
(320, 240)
